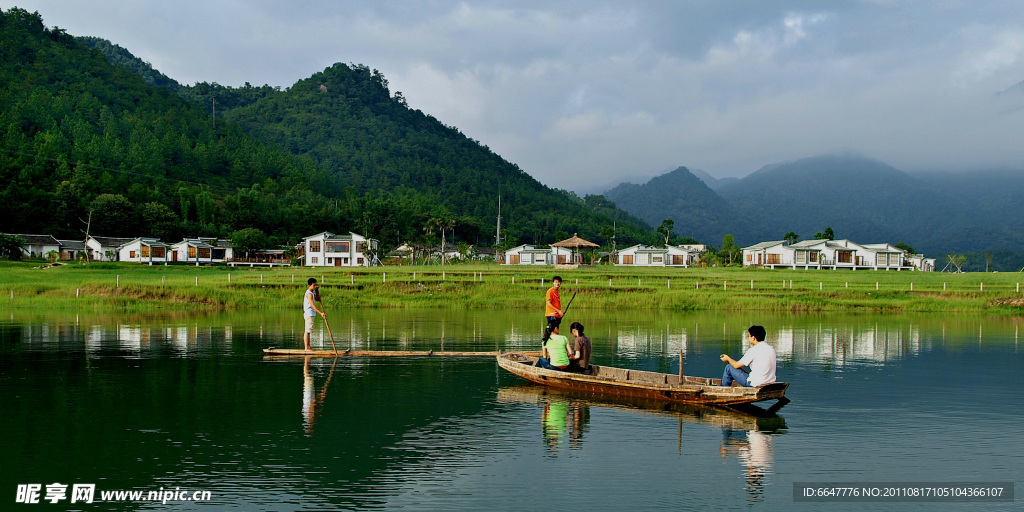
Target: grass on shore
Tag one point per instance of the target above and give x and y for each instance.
(133, 287)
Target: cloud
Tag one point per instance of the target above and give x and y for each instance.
(583, 91)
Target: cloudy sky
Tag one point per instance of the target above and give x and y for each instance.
(582, 94)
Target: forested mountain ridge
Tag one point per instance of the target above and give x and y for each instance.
(80, 135)
(696, 210)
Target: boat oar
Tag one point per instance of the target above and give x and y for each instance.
(569, 304)
(324, 314)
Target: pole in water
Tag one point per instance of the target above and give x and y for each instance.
(680, 366)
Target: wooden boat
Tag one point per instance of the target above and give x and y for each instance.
(298, 352)
(613, 381)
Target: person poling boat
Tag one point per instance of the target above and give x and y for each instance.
(553, 302)
(309, 310)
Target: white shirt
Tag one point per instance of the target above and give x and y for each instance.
(307, 304)
(761, 360)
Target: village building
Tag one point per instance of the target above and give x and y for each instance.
(71, 250)
(143, 250)
(327, 249)
(652, 256)
(37, 246)
(201, 251)
(104, 248)
(827, 254)
(527, 254)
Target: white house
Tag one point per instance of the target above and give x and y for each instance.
(650, 256)
(825, 254)
(104, 248)
(330, 250)
(192, 250)
(530, 255)
(37, 246)
(70, 250)
(770, 254)
(143, 250)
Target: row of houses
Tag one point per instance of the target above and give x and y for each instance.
(320, 250)
(833, 255)
(638, 256)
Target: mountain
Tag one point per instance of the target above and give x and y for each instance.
(336, 152)
(695, 209)
(859, 198)
(712, 182)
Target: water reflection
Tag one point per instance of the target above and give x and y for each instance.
(312, 402)
(756, 451)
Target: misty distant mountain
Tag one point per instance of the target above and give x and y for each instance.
(859, 198)
(695, 209)
(712, 182)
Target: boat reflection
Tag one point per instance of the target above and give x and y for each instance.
(748, 431)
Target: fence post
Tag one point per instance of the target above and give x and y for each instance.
(821, 285)
(261, 279)
(982, 286)
(229, 277)
(197, 280)
(78, 291)
(698, 285)
(117, 285)
(352, 279)
(943, 286)
(751, 284)
(911, 286)
(670, 282)
(163, 279)
(385, 276)
(725, 285)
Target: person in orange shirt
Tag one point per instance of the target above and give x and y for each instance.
(553, 307)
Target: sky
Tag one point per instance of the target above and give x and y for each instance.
(585, 94)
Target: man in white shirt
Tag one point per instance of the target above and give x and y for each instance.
(309, 310)
(760, 357)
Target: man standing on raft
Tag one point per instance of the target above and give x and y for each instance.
(309, 310)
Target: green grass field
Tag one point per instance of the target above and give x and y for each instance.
(133, 287)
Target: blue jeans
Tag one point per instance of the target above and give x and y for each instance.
(734, 374)
(546, 363)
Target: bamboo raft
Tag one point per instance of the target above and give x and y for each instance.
(613, 381)
(298, 352)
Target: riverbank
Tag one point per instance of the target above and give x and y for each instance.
(131, 287)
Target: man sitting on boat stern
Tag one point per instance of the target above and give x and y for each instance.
(556, 349)
(760, 357)
(579, 356)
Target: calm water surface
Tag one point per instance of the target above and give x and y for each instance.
(188, 402)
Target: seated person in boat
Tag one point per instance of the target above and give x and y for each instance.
(760, 357)
(579, 356)
(556, 349)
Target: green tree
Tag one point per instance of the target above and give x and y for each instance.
(159, 221)
(249, 240)
(729, 252)
(10, 246)
(828, 234)
(665, 229)
(905, 247)
(114, 215)
(791, 238)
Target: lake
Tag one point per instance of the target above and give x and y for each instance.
(183, 404)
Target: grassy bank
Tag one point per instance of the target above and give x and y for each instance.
(132, 287)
